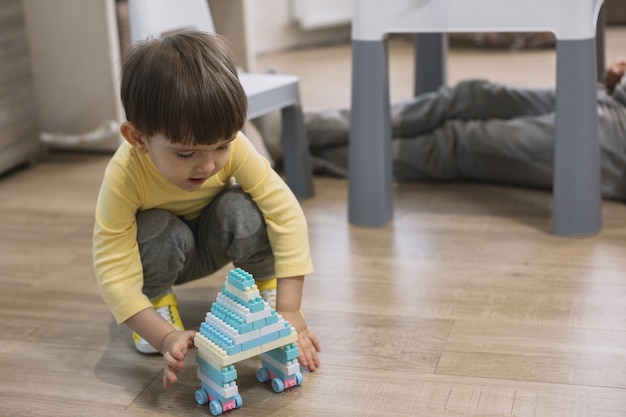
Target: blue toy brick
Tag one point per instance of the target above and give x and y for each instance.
(277, 354)
(223, 376)
(290, 351)
(231, 350)
(285, 354)
(273, 327)
(275, 370)
(226, 314)
(235, 321)
(245, 328)
(230, 331)
(261, 340)
(286, 331)
(284, 371)
(273, 318)
(224, 391)
(219, 338)
(240, 309)
(255, 305)
(240, 279)
(232, 295)
(259, 324)
(249, 345)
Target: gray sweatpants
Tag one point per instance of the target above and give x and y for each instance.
(476, 131)
(174, 251)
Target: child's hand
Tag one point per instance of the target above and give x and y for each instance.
(174, 348)
(307, 343)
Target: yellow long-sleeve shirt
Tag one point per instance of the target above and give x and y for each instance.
(132, 183)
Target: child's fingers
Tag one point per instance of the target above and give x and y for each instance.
(179, 343)
(302, 357)
(308, 360)
(169, 378)
(172, 367)
(311, 341)
(314, 341)
(172, 362)
(313, 358)
(188, 336)
(309, 347)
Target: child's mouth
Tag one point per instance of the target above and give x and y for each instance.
(197, 181)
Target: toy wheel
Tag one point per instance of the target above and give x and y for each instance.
(238, 401)
(277, 385)
(216, 407)
(298, 378)
(202, 397)
(261, 374)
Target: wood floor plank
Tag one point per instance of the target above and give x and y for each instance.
(33, 406)
(60, 373)
(565, 355)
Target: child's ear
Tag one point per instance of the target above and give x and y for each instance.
(134, 137)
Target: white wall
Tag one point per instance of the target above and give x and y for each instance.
(272, 28)
(74, 50)
(318, 14)
(257, 27)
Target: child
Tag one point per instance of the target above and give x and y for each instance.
(169, 212)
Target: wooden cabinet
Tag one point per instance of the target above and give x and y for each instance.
(19, 142)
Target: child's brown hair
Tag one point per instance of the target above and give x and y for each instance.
(185, 87)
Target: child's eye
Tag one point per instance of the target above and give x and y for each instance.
(224, 147)
(184, 155)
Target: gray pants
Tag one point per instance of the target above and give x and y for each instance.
(476, 131)
(174, 251)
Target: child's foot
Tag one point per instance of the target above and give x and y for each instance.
(167, 307)
(267, 289)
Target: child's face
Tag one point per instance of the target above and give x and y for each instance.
(187, 166)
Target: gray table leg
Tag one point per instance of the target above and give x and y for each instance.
(430, 70)
(577, 207)
(370, 182)
(297, 160)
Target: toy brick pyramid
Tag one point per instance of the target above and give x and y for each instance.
(241, 325)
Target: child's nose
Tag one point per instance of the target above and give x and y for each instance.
(208, 165)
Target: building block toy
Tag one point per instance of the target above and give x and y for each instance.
(241, 325)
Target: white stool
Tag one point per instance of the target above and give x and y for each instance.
(266, 92)
(576, 188)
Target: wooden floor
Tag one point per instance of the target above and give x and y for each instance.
(465, 305)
